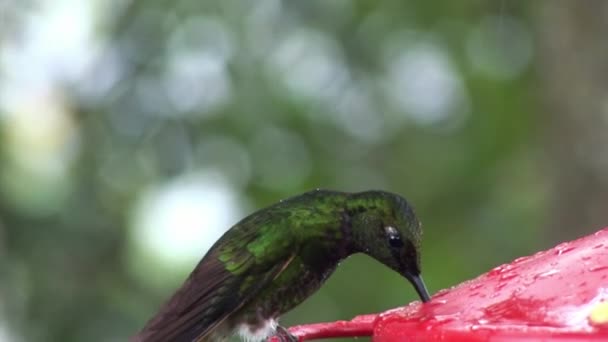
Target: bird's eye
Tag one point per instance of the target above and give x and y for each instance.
(393, 236)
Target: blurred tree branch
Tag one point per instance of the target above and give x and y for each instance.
(574, 75)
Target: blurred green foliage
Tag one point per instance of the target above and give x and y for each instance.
(434, 101)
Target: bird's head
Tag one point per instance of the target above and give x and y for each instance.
(385, 227)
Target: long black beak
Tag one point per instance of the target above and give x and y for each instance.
(418, 283)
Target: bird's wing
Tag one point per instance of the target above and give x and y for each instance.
(233, 272)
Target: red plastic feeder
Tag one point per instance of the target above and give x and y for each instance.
(556, 295)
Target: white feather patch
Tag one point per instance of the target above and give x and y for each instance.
(251, 333)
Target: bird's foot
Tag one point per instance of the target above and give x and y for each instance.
(283, 335)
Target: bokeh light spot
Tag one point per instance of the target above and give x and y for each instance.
(174, 224)
(500, 47)
(196, 78)
(423, 83)
(310, 65)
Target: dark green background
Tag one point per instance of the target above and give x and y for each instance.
(507, 157)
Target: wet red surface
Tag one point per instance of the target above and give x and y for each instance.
(548, 296)
(358, 326)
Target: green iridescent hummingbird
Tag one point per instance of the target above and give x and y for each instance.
(277, 257)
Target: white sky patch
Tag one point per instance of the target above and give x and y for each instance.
(180, 220)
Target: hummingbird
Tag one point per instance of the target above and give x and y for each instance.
(275, 258)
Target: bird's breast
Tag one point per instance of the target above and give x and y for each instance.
(257, 331)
